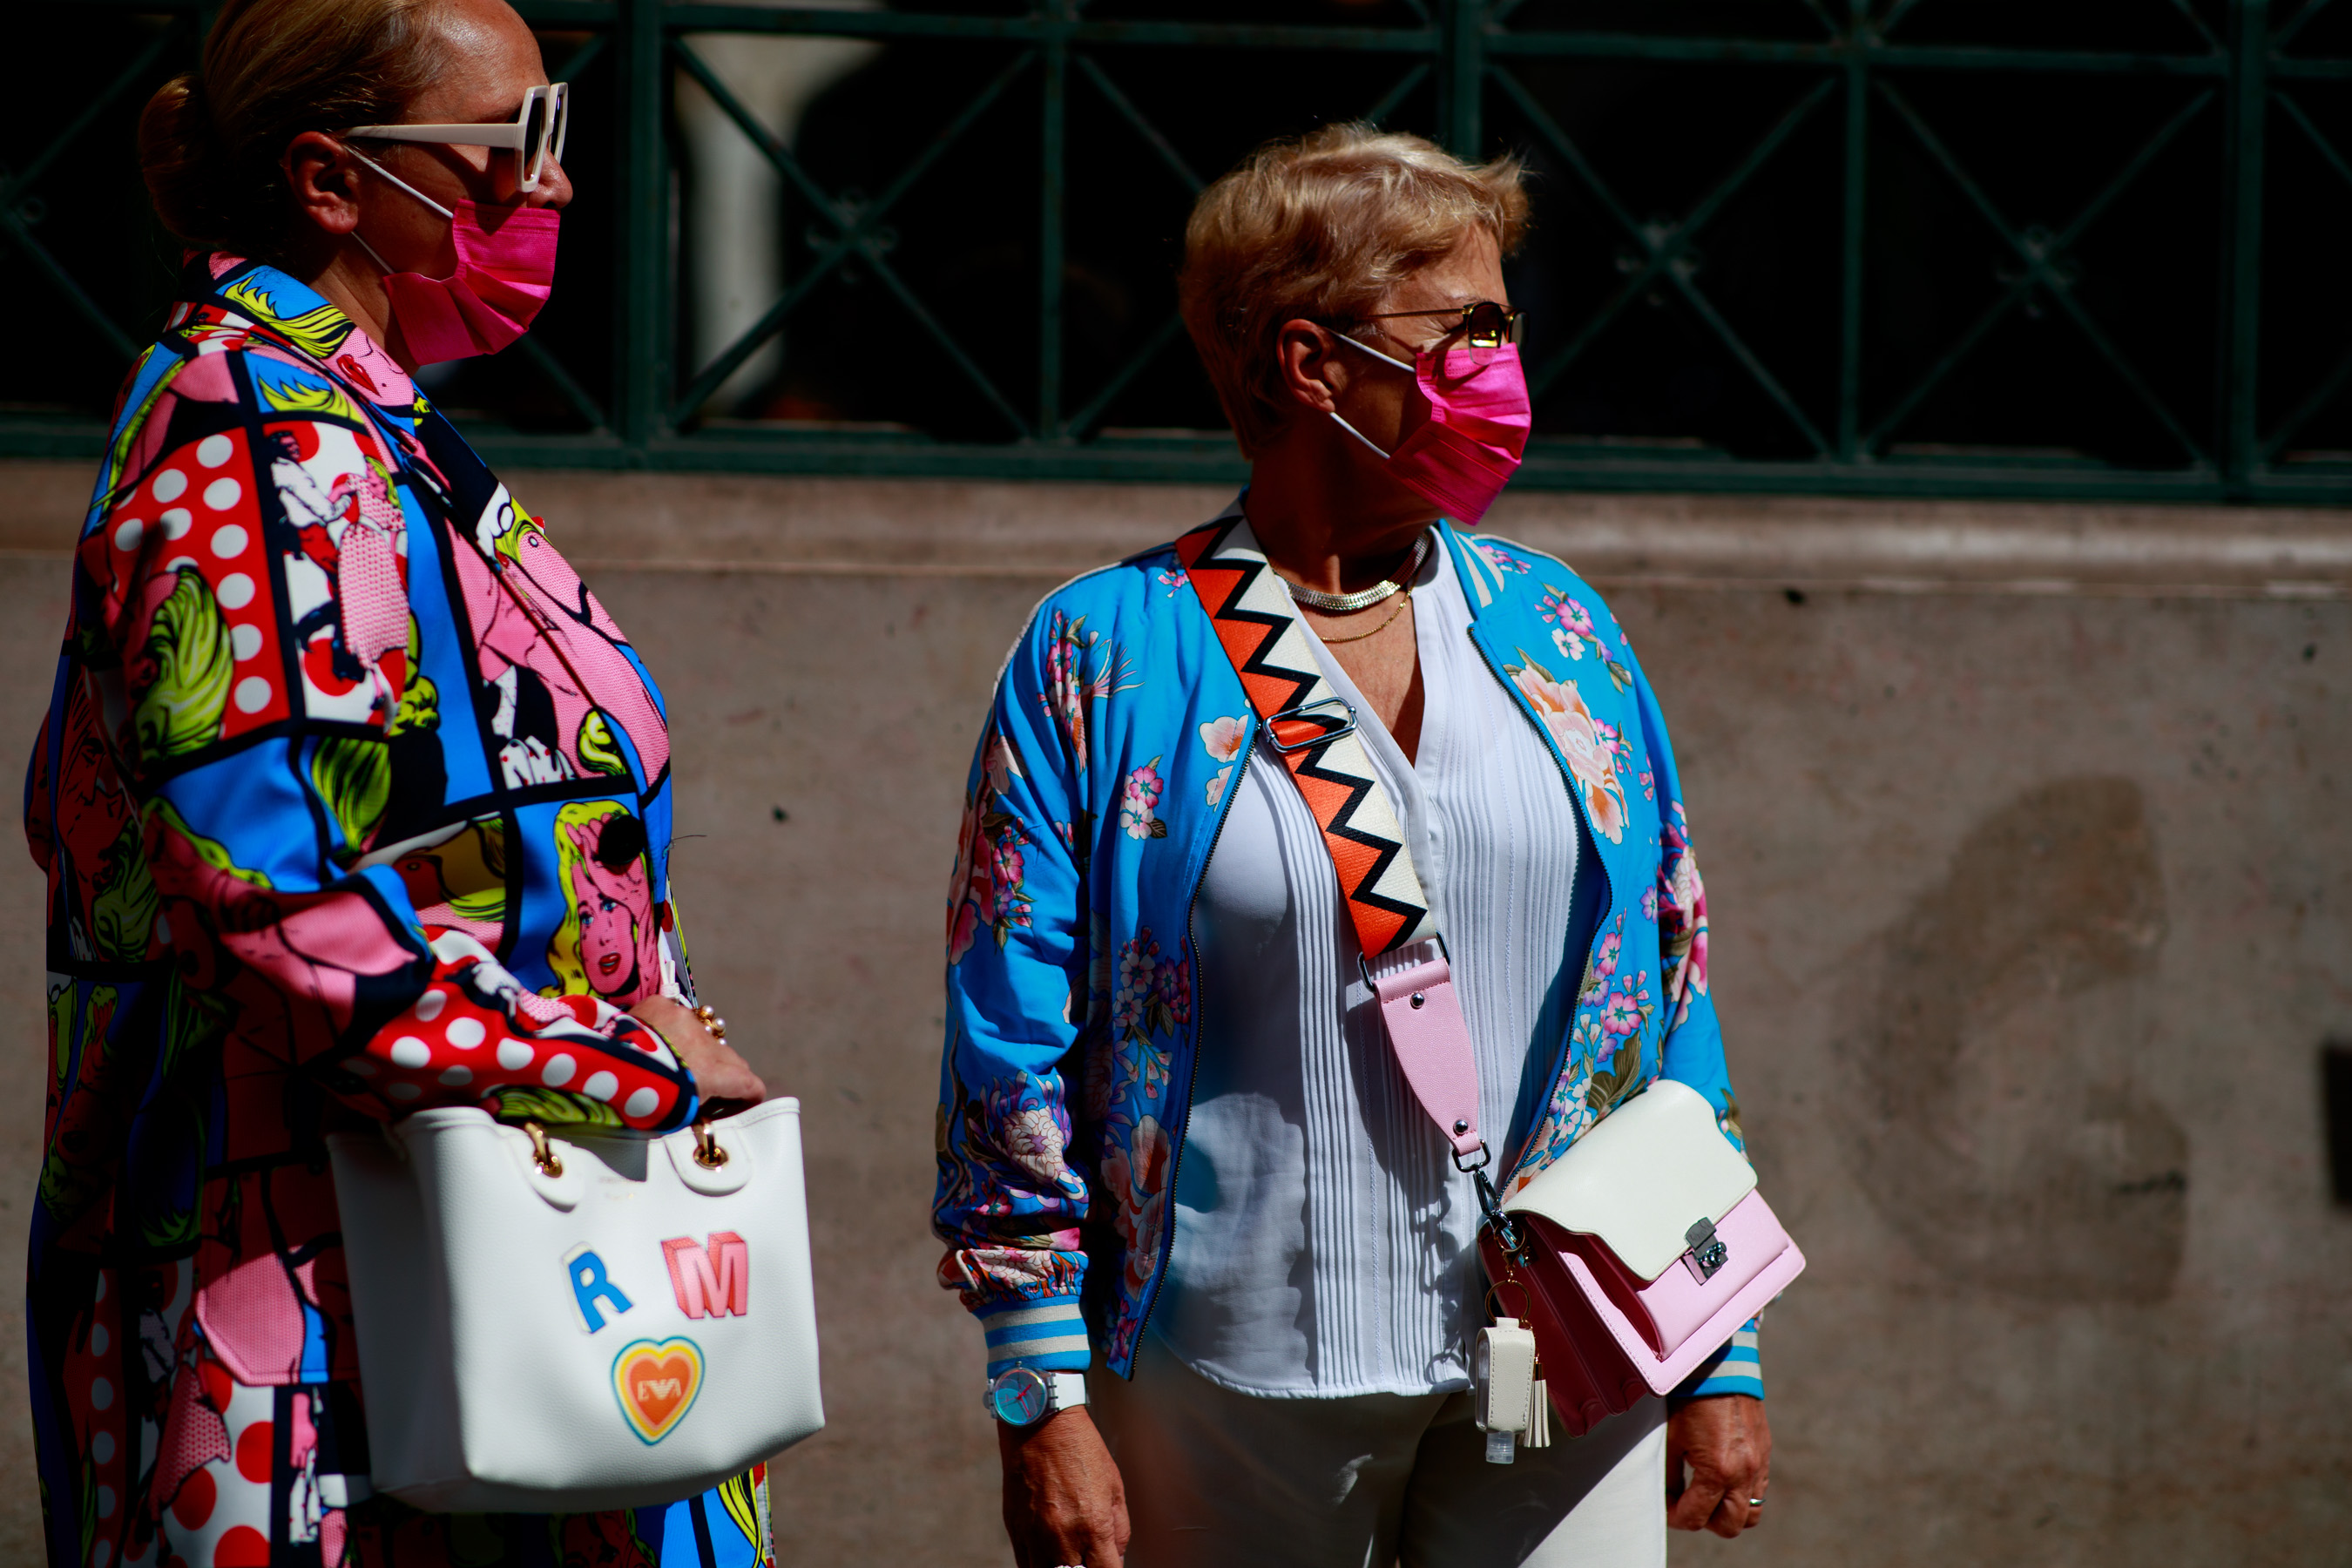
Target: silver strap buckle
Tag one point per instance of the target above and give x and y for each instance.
(1304, 712)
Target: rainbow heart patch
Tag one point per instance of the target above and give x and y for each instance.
(655, 1381)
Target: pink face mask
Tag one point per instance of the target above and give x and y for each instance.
(1462, 454)
(504, 275)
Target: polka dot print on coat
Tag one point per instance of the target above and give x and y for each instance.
(476, 1028)
(219, 1518)
(197, 514)
(94, 1367)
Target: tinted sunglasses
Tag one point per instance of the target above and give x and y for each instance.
(1485, 324)
(535, 136)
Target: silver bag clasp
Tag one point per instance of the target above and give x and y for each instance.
(1707, 1251)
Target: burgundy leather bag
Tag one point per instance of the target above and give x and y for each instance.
(1637, 1255)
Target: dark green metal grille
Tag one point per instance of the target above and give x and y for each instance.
(1836, 149)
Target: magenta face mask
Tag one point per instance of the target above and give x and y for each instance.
(504, 275)
(1462, 454)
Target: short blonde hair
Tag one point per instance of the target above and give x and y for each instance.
(1323, 227)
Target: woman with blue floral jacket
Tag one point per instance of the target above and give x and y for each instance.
(1173, 1142)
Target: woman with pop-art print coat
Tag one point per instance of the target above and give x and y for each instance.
(326, 696)
(351, 800)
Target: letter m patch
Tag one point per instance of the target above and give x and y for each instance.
(712, 1279)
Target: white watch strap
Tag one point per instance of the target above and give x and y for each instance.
(1064, 1390)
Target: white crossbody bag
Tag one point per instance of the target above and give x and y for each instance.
(551, 1325)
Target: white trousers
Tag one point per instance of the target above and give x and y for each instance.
(1234, 1480)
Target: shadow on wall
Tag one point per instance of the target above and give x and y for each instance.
(2001, 1129)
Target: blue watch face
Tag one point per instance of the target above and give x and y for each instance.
(1019, 1397)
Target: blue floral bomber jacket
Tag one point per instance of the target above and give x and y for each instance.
(1096, 796)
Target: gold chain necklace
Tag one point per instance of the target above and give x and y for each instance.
(1349, 604)
(1401, 605)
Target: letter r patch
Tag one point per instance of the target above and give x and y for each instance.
(591, 1287)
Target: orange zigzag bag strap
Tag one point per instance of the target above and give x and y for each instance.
(1314, 730)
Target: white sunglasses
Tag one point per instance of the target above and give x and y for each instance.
(536, 134)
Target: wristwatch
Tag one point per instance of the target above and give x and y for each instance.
(1023, 1397)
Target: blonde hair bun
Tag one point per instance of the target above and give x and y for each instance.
(176, 155)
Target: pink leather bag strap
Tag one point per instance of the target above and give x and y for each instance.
(1430, 1039)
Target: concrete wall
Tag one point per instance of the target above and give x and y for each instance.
(2026, 835)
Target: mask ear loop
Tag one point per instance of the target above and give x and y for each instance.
(1351, 342)
(1352, 430)
(405, 186)
(1376, 353)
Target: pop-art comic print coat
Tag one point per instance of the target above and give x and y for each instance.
(353, 800)
(1096, 794)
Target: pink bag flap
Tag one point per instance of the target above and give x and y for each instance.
(1695, 1319)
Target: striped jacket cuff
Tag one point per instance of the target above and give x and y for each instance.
(1739, 1370)
(1048, 1335)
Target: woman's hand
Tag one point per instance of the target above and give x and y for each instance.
(1728, 1444)
(719, 1072)
(1063, 1500)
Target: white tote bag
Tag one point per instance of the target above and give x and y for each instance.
(617, 1326)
